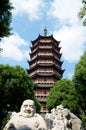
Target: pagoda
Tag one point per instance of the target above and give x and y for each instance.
(45, 66)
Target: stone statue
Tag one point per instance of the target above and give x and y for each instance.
(62, 119)
(26, 119)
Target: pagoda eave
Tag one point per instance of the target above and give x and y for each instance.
(58, 76)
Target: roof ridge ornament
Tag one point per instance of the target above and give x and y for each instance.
(45, 31)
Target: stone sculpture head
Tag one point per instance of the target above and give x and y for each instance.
(60, 111)
(28, 108)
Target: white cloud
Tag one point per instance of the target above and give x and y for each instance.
(14, 47)
(72, 41)
(31, 7)
(71, 33)
(65, 10)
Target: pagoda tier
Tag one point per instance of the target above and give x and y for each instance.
(45, 66)
(44, 59)
(49, 69)
(41, 38)
(49, 60)
(41, 45)
(45, 52)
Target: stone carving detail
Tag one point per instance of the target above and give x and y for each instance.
(26, 119)
(62, 119)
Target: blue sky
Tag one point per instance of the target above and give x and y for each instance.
(29, 19)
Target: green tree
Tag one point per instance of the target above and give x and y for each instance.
(82, 12)
(15, 87)
(63, 92)
(79, 80)
(5, 18)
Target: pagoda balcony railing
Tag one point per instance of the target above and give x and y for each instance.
(41, 99)
(44, 83)
(41, 62)
(49, 85)
(42, 73)
(41, 94)
(46, 74)
(45, 47)
(45, 54)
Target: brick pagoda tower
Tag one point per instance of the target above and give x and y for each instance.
(45, 66)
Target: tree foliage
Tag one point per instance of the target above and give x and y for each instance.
(15, 87)
(82, 12)
(5, 17)
(63, 92)
(79, 80)
(71, 94)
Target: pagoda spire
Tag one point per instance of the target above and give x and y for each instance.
(45, 31)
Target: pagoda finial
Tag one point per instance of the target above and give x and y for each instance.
(45, 31)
